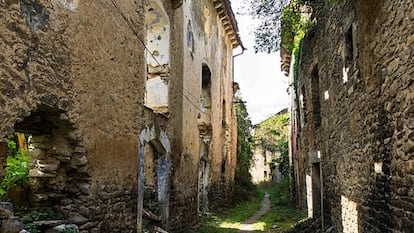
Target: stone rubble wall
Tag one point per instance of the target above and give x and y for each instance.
(79, 61)
(367, 123)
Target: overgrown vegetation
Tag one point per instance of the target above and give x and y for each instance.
(243, 184)
(279, 22)
(282, 215)
(17, 170)
(273, 135)
(28, 219)
(229, 221)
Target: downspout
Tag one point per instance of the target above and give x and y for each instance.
(241, 53)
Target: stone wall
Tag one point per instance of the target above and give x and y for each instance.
(356, 79)
(74, 78)
(71, 78)
(206, 46)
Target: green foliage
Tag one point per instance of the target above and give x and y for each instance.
(69, 229)
(17, 170)
(273, 135)
(39, 215)
(229, 220)
(279, 22)
(282, 215)
(244, 151)
(32, 228)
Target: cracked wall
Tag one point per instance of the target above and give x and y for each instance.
(82, 59)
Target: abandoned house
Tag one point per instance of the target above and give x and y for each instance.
(353, 118)
(263, 169)
(125, 107)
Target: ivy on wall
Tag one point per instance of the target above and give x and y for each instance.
(244, 142)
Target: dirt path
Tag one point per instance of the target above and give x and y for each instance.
(247, 226)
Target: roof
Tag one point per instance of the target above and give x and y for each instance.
(226, 15)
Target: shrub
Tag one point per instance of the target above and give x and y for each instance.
(17, 170)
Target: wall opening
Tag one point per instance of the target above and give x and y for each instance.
(153, 180)
(316, 96)
(204, 127)
(316, 190)
(204, 174)
(151, 205)
(204, 118)
(223, 168)
(349, 49)
(158, 59)
(58, 171)
(303, 112)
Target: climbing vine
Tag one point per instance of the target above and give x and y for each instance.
(244, 150)
(279, 21)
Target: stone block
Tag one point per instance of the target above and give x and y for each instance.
(85, 188)
(39, 174)
(37, 153)
(78, 160)
(78, 219)
(38, 197)
(42, 145)
(409, 166)
(39, 139)
(63, 228)
(49, 167)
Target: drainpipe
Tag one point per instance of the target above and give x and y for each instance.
(243, 49)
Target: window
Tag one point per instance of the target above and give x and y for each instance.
(316, 96)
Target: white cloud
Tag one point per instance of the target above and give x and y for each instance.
(262, 84)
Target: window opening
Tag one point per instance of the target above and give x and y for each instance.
(158, 57)
(316, 96)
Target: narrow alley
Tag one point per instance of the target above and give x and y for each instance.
(206, 116)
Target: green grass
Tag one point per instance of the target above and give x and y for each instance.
(228, 220)
(281, 217)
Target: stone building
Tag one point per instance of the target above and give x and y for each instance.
(353, 144)
(263, 168)
(127, 107)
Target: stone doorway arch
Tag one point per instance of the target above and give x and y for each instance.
(156, 143)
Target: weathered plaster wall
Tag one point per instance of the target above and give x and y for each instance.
(78, 62)
(365, 138)
(260, 168)
(80, 58)
(204, 42)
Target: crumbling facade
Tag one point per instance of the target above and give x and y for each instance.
(263, 168)
(127, 107)
(353, 125)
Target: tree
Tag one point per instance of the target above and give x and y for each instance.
(279, 21)
(244, 141)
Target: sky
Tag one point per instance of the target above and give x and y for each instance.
(262, 84)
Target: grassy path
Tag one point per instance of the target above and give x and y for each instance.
(248, 225)
(279, 218)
